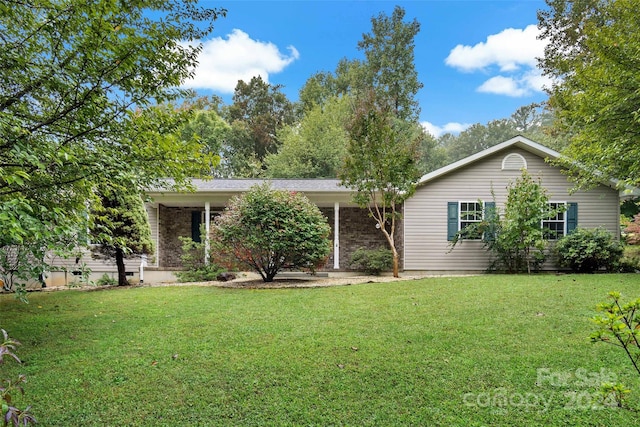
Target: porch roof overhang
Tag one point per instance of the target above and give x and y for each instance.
(217, 192)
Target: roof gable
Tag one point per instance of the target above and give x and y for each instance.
(517, 141)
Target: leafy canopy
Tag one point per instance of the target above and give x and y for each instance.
(120, 227)
(76, 84)
(263, 109)
(592, 55)
(316, 146)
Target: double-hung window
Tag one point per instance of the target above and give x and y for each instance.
(464, 214)
(555, 226)
(470, 213)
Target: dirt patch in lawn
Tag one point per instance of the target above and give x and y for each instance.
(253, 281)
(249, 280)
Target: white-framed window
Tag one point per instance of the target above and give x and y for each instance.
(462, 214)
(469, 213)
(555, 227)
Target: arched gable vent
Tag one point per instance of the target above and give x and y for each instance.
(514, 162)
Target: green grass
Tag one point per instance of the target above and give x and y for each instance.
(442, 351)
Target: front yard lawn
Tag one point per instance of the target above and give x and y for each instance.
(468, 351)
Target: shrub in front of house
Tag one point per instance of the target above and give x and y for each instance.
(106, 280)
(588, 251)
(372, 261)
(268, 230)
(630, 262)
(196, 268)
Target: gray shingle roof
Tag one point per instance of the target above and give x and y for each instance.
(241, 185)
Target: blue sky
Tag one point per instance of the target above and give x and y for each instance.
(476, 59)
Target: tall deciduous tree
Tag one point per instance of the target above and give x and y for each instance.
(210, 130)
(390, 64)
(239, 158)
(264, 109)
(381, 165)
(314, 148)
(431, 154)
(381, 162)
(526, 117)
(592, 54)
(478, 137)
(76, 81)
(349, 78)
(120, 227)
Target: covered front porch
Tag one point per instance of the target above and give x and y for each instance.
(173, 214)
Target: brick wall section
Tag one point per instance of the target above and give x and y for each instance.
(357, 230)
(328, 212)
(172, 222)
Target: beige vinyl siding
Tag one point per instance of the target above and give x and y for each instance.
(108, 266)
(93, 264)
(425, 218)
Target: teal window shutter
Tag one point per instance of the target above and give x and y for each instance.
(490, 214)
(572, 217)
(196, 220)
(452, 220)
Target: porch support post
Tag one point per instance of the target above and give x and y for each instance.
(336, 235)
(207, 226)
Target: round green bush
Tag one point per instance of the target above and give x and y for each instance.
(268, 230)
(588, 250)
(372, 261)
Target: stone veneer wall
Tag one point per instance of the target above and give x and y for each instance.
(172, 222)
(328, 212)
(357, 230)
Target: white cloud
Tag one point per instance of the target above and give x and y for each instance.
(509, 50)
(536, 81)
(437, 131)
(512, 53)
(518, 86)
(222, 62)
(501, 85)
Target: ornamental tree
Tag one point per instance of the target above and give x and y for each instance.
(268, 230)
(381, 166)
(519, 241)
(120, 227)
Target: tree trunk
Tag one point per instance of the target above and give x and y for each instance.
(394, 251)
(122, 274)
(395, 263)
